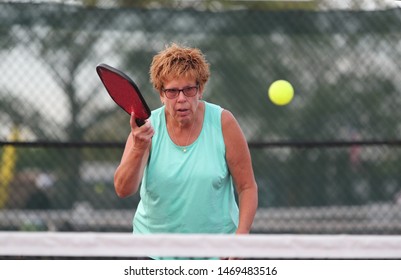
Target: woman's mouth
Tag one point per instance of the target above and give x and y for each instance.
(182, 112)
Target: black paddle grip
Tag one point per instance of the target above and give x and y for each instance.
(139, 122)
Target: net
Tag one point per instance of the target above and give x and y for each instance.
(16, 245)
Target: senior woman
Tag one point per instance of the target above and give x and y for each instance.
(189, 158)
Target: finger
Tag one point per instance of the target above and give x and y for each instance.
(143, 133)
(132, 121)
(149, 131)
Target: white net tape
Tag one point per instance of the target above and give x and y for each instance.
(255, 246)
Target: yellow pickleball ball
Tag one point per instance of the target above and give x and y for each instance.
(281, 92)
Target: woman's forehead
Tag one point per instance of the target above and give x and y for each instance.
(179, 82)
(188, 77)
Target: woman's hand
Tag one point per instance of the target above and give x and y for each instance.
(141, 135)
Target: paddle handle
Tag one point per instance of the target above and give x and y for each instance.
(139, 122)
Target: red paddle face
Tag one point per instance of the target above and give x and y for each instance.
(124, 92)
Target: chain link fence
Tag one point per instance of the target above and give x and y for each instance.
(329, 162)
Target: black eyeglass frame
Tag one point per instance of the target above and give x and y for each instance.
(172, 93)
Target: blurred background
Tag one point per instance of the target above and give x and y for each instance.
(329, 162)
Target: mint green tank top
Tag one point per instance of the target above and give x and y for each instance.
(187, 192)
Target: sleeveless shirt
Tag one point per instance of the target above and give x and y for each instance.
(187, 192)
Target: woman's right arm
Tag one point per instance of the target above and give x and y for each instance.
(128, 175)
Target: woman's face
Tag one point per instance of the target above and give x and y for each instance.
(181, 108)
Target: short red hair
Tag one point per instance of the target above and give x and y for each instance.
(178, 61)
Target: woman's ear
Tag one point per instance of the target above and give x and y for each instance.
(200, 94)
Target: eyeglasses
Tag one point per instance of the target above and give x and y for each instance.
(172, 93)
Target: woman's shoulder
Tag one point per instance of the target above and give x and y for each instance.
(157, 114)
(157, 111)
(156, 117)
(213, 107)
(213, 111)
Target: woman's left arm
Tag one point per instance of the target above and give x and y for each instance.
(240, 164)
